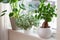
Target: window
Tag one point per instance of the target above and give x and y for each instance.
(53, 23)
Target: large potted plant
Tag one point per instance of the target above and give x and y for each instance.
(15, 12)
(45, 12)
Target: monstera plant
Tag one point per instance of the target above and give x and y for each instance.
(15, 11)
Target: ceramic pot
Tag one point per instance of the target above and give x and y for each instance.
(44, 32)
(13, 24)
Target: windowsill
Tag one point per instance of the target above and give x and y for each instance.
(16, 35)
(32, 35)
(28, 33)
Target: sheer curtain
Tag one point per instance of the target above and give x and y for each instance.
(4, 22)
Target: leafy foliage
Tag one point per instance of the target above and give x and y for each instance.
(15, 11)
(46, 12)
(13, 1)
(14, 5)
(0, 0)
(26, 21)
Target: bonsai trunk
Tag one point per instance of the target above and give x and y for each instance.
(45, 24)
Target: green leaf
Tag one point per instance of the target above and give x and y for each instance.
(11, 14)
(15, 10)
(48, 5)
(55, 15)
(13, 1)
(38, 16)
(36, 11)
(1, 0)
(22, 7)
(48, 19)
(42, 0)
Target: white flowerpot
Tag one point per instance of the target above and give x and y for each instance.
(44, 32)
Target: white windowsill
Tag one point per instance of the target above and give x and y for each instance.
(32, 35)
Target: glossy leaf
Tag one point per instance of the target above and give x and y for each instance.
(11, 14)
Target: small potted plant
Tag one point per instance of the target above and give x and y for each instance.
(45, 12)
(26, 21)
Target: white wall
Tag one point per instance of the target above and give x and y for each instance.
(58, 20)
(1, 24)
(4, 22)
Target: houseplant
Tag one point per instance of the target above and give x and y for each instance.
(26, 21)
(45, 12)
(15, 12)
